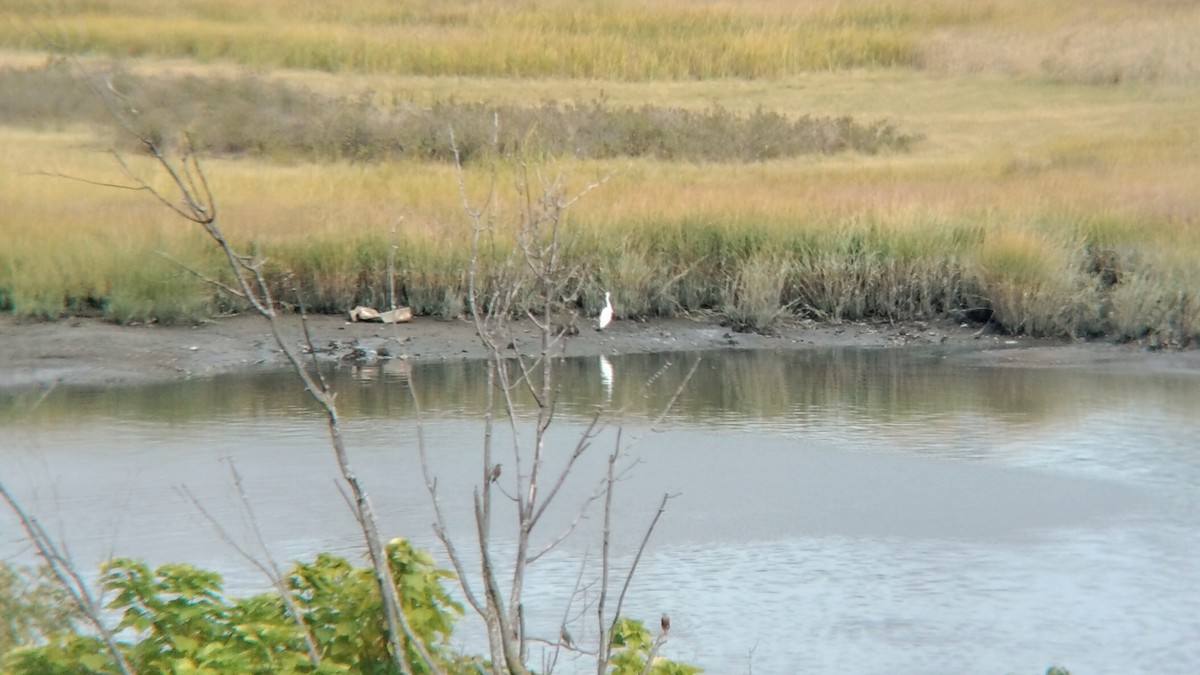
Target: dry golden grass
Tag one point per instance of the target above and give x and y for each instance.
(1055, 135)
(1072, 40)
(1015, 230)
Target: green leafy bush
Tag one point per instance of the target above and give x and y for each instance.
(632, 644)
(32, 608)
(177, 618)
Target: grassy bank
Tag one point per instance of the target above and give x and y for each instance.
(665, 238)
(1050, 189)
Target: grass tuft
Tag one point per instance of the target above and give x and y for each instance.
(753, 296)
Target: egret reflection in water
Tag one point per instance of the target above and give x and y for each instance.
(606, 377)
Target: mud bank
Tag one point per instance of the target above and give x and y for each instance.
(84, 351)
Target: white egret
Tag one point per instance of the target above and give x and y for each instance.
(605, 317)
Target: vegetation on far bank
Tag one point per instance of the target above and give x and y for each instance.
(665, 238)
(253, 117)
(1025, 166)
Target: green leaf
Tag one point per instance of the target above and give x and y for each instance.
(185, 643)
(96, 662)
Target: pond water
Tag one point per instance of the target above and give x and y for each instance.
(866, 511)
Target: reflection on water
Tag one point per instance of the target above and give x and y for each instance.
(856, 510)
(766, 387)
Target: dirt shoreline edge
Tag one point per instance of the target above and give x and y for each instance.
(93, 352)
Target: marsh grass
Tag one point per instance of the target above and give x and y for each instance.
(1035, 285)
(753, 298)
(1066, 40)
(634, 280)
(154, 291)
(663, 238)
(1053, 190)
(619, 40)
(1158, 300)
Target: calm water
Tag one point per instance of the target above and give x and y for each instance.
(852, 510)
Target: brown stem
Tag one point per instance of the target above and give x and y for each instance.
(68, 577)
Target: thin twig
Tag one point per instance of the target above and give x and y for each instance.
(605, 647)
(662, 507)
(201, 276)
(270, 568)
(658, 643)
(68, 577)
(191, 184)
(678, 391)
(87, 181)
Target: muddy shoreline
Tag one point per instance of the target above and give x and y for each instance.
(92, 352)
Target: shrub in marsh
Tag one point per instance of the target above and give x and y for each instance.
(257, 117)
(51, 95)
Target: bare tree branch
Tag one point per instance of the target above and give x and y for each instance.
(581, 446)
(605, 646)
(439, 526)
(678, 390)
(203, 277)
(65, 572)
(269, 568)
(658, 643)
(87, 181)
(662, 507)
(537, 256)
(194, 201)
(566, 641)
